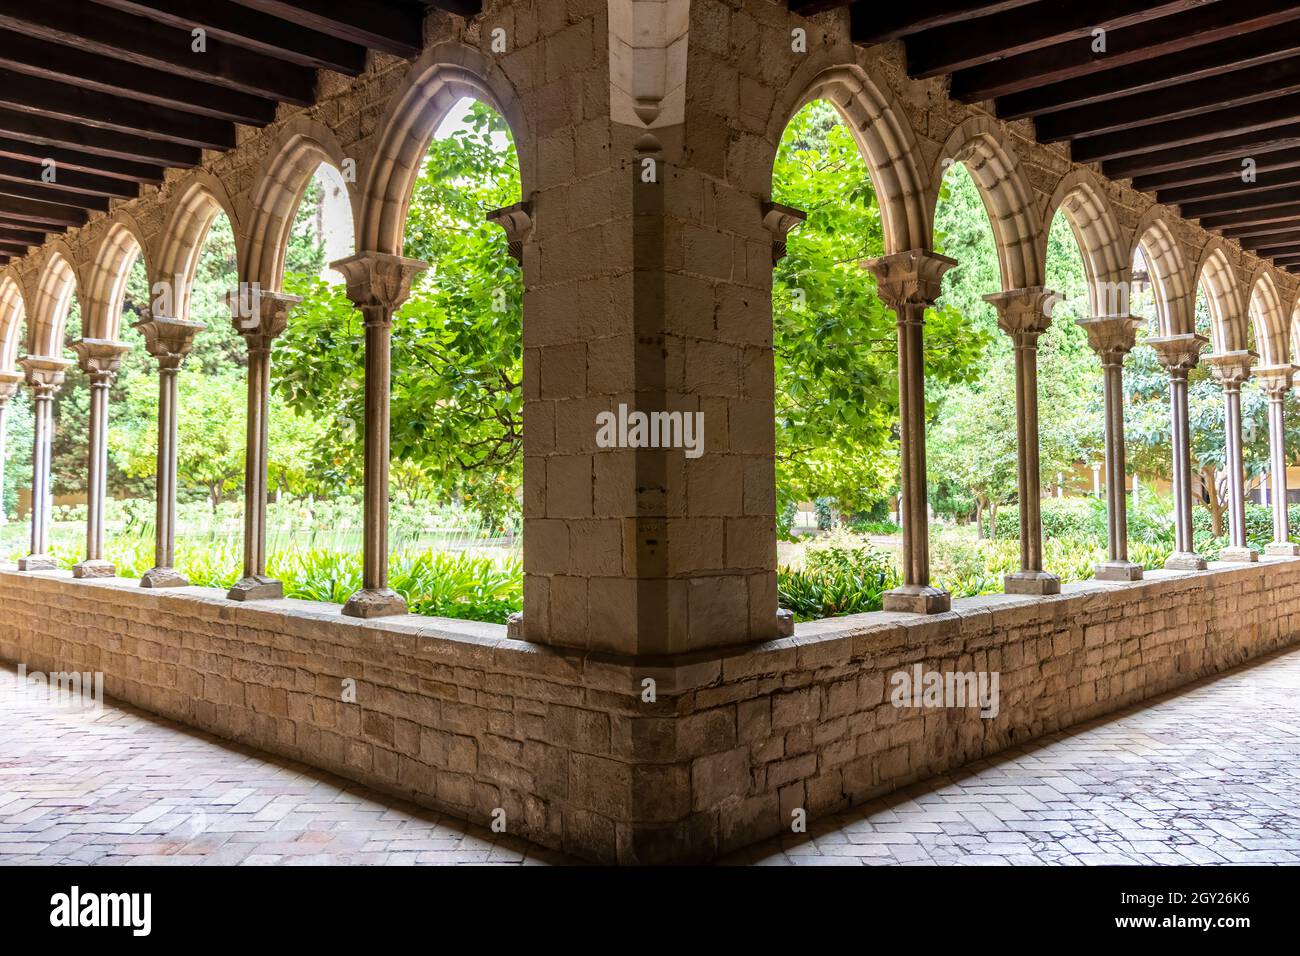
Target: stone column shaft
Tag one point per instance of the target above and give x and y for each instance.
(909, 283)
(100, 359)
(1024, 314)
(1178, 355)
(377, 284)
(44, 375)
(1112, 337)
(1276, 382)
(1232, 369)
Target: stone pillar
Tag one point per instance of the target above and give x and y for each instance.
(45, 373)
(1112, 337)
(100, 360)
(259, 325)
(1231, 369)
(9, 382)
(169, 341)
(1275, 380)
(377, 284)
(1178, 355)
(1096, 480)
(909, 283)
(1025, 314)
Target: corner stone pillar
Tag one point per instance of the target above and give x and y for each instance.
(1275, 380)
(909, 283)
(169, 341)
(377, 285)
(45, 373)
(100, 359)
(1232, 369)
(259, 326)
(1178, 355)
(9, 382)
(1112, 337)
(1025, 314)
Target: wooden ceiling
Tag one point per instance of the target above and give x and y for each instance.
(1185, 93)
(109, 93)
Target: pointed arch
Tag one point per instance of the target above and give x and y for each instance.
(437, 81)
(886, 141)
(13, 313)
(54, 291)
(193, 211)
(1171, 278)
(106, 291)
(1266, 315)
(1215, 274)
(1096, 231)
(303, 146)
(1009, 202)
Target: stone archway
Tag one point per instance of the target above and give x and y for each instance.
(1215, 274)
(1081, 199)
(192, 214)
(54, 292)
(1175, 293)
(13, 313)
(1267, 318)
(118, 251)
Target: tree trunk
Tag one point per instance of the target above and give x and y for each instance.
(214, 497)
(993, 520)
(979, 517)
(1216, 506)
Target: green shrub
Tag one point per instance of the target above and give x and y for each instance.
(836, 581)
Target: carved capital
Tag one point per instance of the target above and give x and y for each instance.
(100, 358)
(261, 317)
(911, 278)
(1026, 312)
(1231, 369)
(1178, 354)
(1111, 336)
(1275, 380)
(9, 382)
(779, 220)
(378, 283)
(166, 339)
(44, 373)
(517, 221)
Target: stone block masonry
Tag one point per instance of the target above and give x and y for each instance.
(569, 745)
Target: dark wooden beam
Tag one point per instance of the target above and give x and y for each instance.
(1242, 233)
(31, 212)
(52, 194)
(390, 26)
(90, 28)
(1220, 172)
(68, 179)
(1229, 187)
(1247, 200)
(9, 247)
(33, 237)
(1217, 125)
(1187, 99)
(104, 74)
(877, 23)
(1253, 217)
(89, 139)
(1198, 63)
(960, 45)
(269, 36)
(82, 162)
(1282, 249)
(1158, 160)
(464, 8)
(1061, 62)
(809, 8)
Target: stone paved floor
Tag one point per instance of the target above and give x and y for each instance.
(1208, 775)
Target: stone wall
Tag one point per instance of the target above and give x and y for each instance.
(457, 717)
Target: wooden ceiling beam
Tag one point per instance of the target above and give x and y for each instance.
(52, 194)
(1242, 233)
(1225, 171)
(81, 162)
(32, 212)
(871, 23)
(1250, 200)
(1253, 217)
(89, 139)
(390, 26)
(68, 179)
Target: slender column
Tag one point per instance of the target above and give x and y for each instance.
(377, 284)
(909, 283)
(260, 321)
(1275, 380)
(1178, 355)
(1232, 369)
(100, 359)
(169, 341)
(9, 382)
(1112, 337)
(45, 373)
(1025, 314)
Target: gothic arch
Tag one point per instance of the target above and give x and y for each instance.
(1223, 291)
(1083, 201)
(12, 315)
(121, 246)
(193, 211)
(54, 292)
(1266, 315)
(1175, 293)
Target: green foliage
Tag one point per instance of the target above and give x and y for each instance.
(836, 581)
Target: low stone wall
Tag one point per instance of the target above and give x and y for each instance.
(640, 761)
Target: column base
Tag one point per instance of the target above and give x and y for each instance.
(784, 623)
(1117, 571)
(1185, 561)
(37, 562)
(256, 587)
(94, 568)
(1031, 582)
(515, 627)
(1282, 549)
(375, 602)
(1241, 555)
(918, 599)
(163, 578)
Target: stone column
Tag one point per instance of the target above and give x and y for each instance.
(377, 284)
(100, 360)
(1275, 380)
(1232, 369)
(1025, 314)
(9, 382)
(259, 324)
(909, 283)
(1112, 337)
(44, 373)
(1178, 355)
(169, 341)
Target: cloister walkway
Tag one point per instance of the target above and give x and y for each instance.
(1204, 775)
